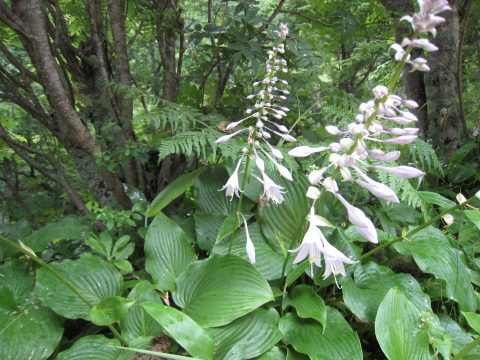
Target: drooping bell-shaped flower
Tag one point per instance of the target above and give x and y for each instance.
(405, 172)
(249, 243)
(358, 218)
(334, 260)
(232, 187)
(304, 151)
(271, 190)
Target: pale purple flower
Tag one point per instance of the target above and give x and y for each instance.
(225, 138)
(406, 172)
(358, 218)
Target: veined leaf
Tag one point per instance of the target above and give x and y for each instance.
(94, 278)
(173, 190)
(337, 342)
(216, 291)
(308, 304)
(191, 336)
(398, 328)
(96, 347)
(167, 252)
(257, 331)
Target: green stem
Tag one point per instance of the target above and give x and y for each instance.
(59, 276)
(417, 229)
(469, 347)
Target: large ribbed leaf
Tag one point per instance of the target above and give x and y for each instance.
(96, 347)
(398, 328)
(95, 278)
(257, 332)
(138, 323)
(68, 228)
(28, 329)
(337, 342)
(372, 282)
(216, 291)
(173, 190)
(268, 262)
(167, 251)
(284, 222)
(459, 337)
(307, 303)
(191, 336)
(434, 254)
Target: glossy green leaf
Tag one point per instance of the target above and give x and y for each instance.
(371, 283)
(110, 311)
(167, 252)
(268, 262)
(296, 271)
(257, 332)
(207, 227)
(216, 291)
(96, 347)
(474, 216)
(28, 331)
(137, 323)
(68, 228)
(337, 342)
(173, 190)
(434, 254)
(229, 226)
(435, 199)
(283, 223)
(459, 337)
(191, 336)
(14, 275)
(398, 328)
(273, 354)
(473, 320)
(307, 303)
(94, 278)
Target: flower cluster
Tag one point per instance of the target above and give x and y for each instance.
(263, 122)
(260, 125)
(424, 21)
(385, 119)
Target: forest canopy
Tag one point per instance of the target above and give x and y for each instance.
(219, 179)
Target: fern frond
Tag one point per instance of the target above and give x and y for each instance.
(423, 153)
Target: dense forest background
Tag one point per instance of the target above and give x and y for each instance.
(113, 231)
(99, 94)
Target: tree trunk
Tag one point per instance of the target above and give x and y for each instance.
(445, 127)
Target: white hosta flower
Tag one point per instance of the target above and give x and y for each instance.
(419, 64)
(271, 190)
(406, 172)
(410, 104)
(316, 175)
(334, 261)
(313, 193)
(249, 243)
(399, 52)
(420, 43)
(310, 247)
(333, 130)
(380, 91)
(232, 186)
(225, 138)
(275, 152)
(449, 219)
(461, 198)
(330, 184)
(358, 218)
(304, 151)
